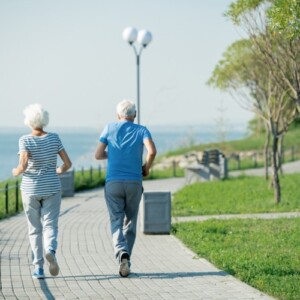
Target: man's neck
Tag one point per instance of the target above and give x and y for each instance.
(130, 119)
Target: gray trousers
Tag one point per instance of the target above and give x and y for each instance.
(42, 214)
(122, 200)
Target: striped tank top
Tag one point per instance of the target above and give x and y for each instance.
(40, 177)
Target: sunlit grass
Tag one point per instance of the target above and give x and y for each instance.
(262, 253)
(236, 196)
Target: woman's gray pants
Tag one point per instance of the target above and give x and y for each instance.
(42, 214)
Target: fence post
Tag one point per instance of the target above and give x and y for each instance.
(238, 162)
(254, 157)
(91, 173)
(174, 168)
(293, 153)
(6, 199)
(17, 196)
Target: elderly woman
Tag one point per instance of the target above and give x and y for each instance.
(41, 187)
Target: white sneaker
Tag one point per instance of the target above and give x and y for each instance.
(53, 265)
(124, 266)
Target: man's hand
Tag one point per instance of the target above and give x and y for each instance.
(151, 153)
(145, 171)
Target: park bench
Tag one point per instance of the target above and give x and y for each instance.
(211, 166)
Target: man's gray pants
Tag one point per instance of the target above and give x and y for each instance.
(123, 200)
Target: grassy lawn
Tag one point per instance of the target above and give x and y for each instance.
(236, 196)
(262, 253)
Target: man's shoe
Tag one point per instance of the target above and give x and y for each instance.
(38, 274)
(124, 267)
(53, 265)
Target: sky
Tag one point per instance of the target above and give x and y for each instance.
(69, 56)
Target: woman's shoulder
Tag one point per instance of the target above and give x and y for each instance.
(52, 135)
(25, 137)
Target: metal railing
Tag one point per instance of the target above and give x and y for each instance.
(8, 196)
(254, 159)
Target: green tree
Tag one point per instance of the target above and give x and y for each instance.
(243, 74)
(275, 41)
(265, 21)
(239, 73)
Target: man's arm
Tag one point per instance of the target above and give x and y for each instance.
(151, 153)
(101, 153)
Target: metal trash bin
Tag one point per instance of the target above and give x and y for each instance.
(156, 213)
(67, 184)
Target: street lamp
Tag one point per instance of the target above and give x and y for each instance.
(138, 40)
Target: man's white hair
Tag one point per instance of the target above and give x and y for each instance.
(126, 108)
(35, 116)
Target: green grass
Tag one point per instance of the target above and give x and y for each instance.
(12, 198)
(167, 173)
(88, 179)
(254, 142)
(236, 196)
(262, 253)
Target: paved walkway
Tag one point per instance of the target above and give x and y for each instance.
(238, 216)
(162, 267)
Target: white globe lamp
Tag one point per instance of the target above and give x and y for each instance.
(130, 35)
(144, 37)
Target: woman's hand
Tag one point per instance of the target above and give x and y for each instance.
(67, 164)
(15, 172)
(23, 163)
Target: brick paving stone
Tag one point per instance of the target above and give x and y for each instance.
(162, 267)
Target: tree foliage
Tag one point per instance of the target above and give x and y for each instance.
(284, 18)
(264, 68)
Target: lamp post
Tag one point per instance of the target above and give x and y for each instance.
(138, 40)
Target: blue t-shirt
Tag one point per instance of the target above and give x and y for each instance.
(125, 145)
(40, 177)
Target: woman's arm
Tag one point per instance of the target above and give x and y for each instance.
(67, 164)
(23, 163)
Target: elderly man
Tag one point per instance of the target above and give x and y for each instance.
(125, 143)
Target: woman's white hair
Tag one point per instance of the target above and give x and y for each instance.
(35, 116)
(126, 108)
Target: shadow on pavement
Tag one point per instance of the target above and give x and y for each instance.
(142, 275)
(177, 274)
(44, 287)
